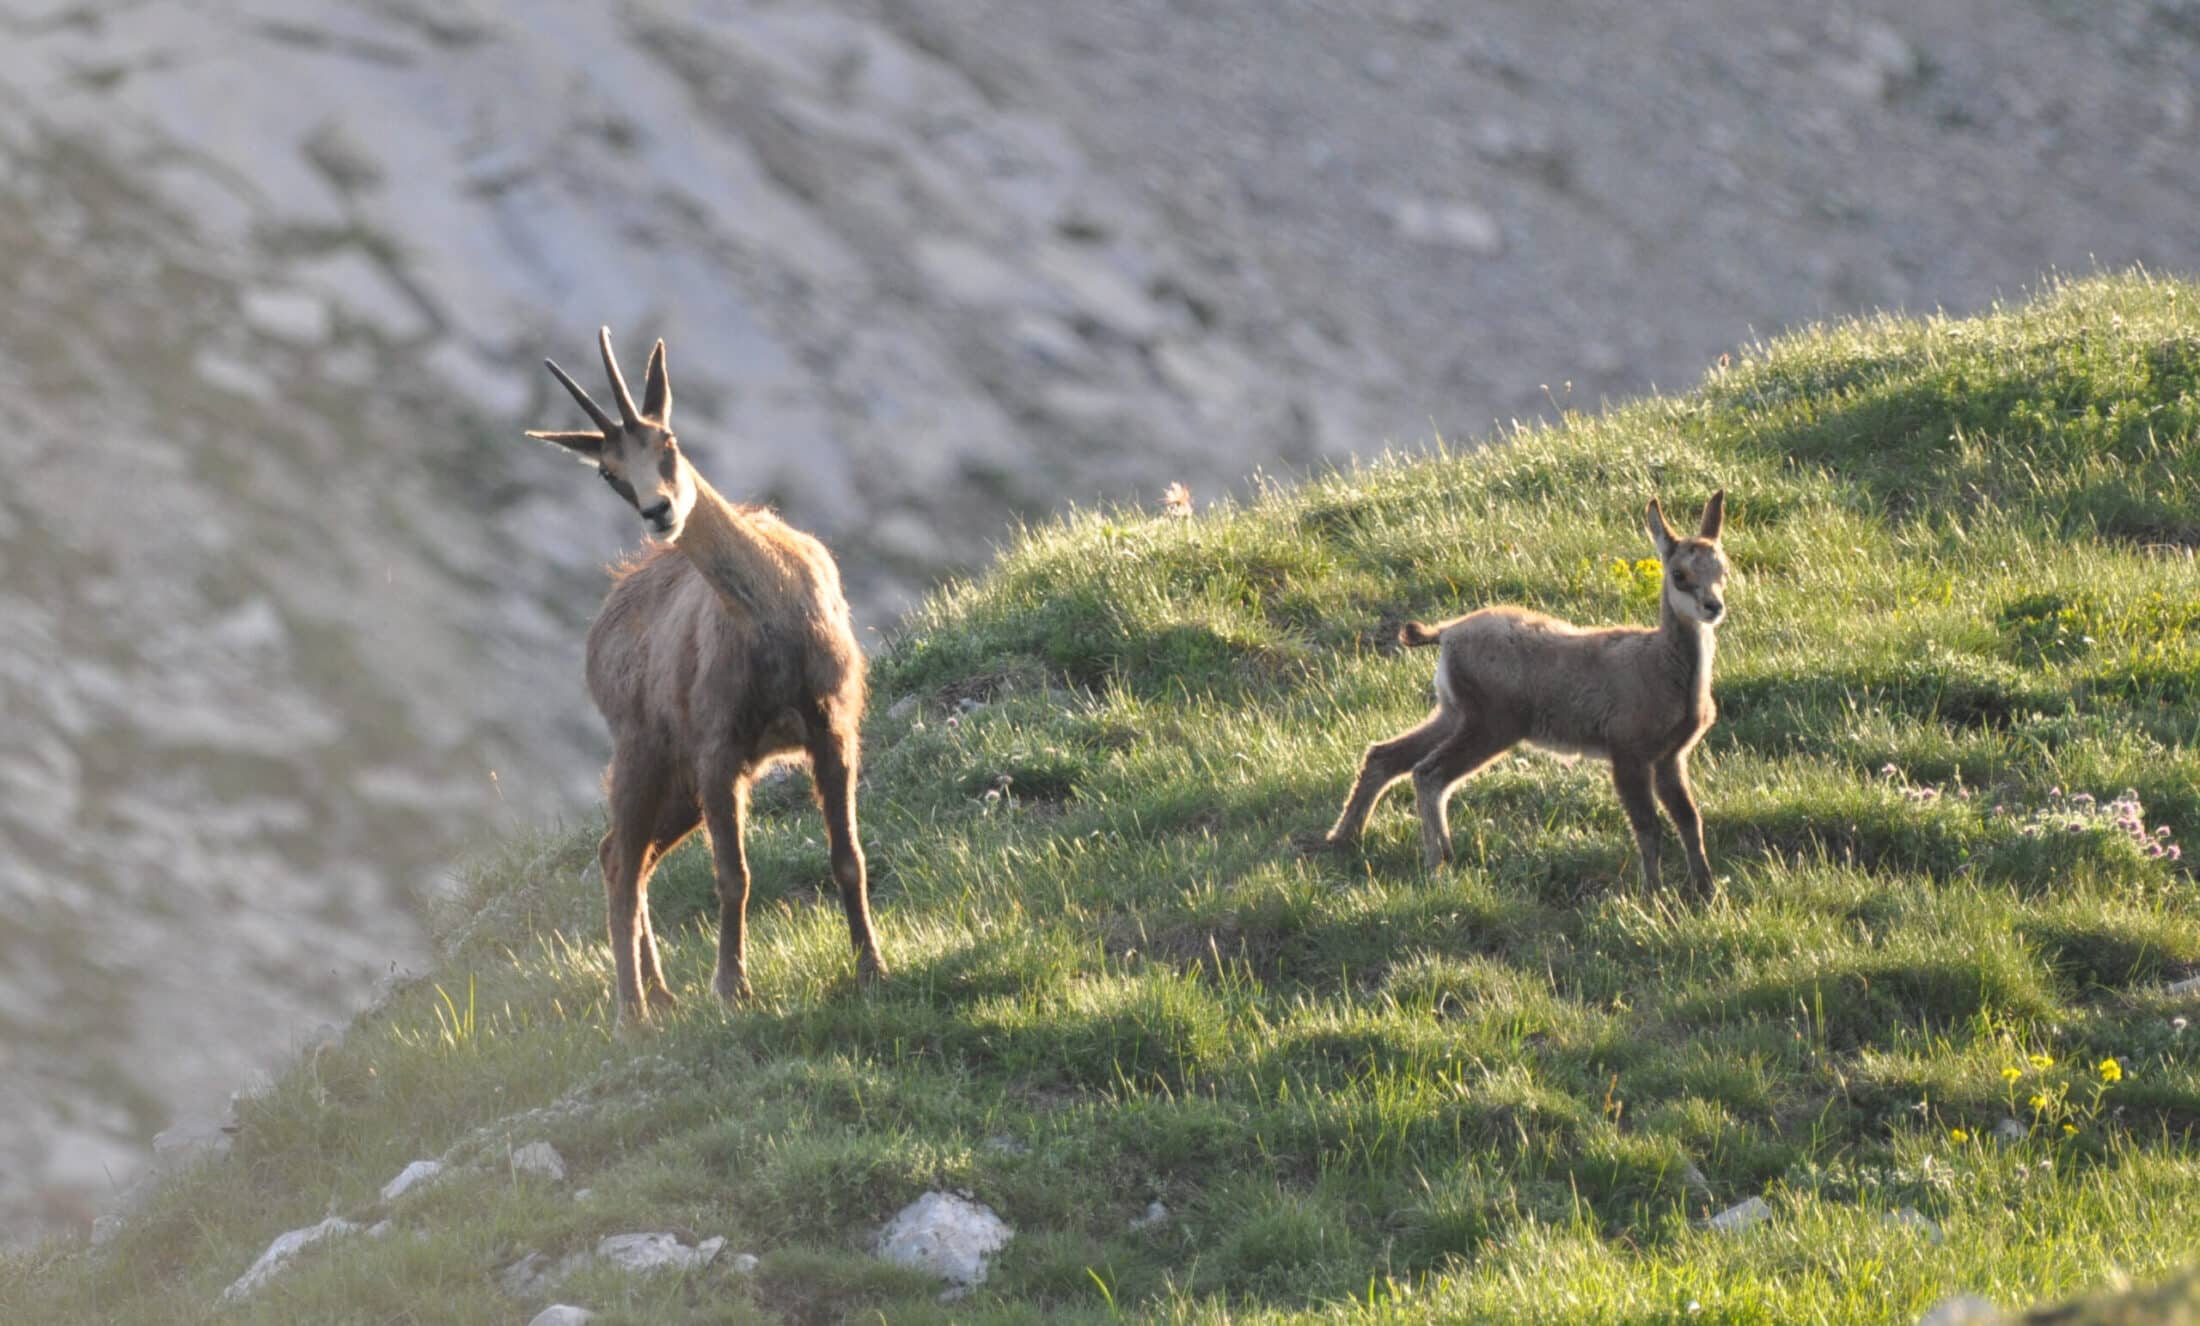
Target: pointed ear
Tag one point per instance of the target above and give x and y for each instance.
(1714, 516)
(1661, 534)
(657, 390)
(589, 445)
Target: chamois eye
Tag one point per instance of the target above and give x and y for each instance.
(605, 475)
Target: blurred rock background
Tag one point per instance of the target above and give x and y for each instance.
(289, 615)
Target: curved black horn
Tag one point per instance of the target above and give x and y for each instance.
(603, 420)
(618, 380)
(657, 388)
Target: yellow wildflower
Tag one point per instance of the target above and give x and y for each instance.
(2037, 1103)
(2070, 1130)
(2043, 1061)
(2111, 1072)
(2011, 1073)
(1958, 1135)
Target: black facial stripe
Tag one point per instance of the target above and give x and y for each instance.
(621, 487)
(668, 465)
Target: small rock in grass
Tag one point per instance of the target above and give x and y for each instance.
(562, 1314)
(902, 708)
(411, 1177)
(2008, 1132)
(540, 1158)
(583, 1194)
(280, 1252)
(657, 1252)
(1155, 1214)
(946, 1235)
(2190, 985)
(1693, 1179)
(743, 1263)
(1911, 1217)
(1741, 1216)
(1003, 1145)
(1962, 1310)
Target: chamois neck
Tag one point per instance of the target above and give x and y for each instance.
(1688, 642)
(742, 562)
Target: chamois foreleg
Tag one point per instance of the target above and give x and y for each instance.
(1680, 803)
(1632, 780)
(834, 760)
(1384, 764)
(1469, 746)
(725, 813)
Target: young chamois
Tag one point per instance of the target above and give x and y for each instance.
(719, 651)
(1637, 697)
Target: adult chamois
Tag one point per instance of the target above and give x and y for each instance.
(724, 648)
(1638, 697)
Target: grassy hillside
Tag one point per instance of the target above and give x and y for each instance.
(1968, 619)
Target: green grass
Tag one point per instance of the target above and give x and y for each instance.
(1503, 1092)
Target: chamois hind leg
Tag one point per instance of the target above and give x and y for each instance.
(1384, 764)
(677, 816)
(834, 759)
(1680, 803)
(1632, 780)
(1469, 746)
(637, 792)
(725, 813)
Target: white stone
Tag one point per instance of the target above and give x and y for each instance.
(743, 1263)
(1156, 1213)
(281, 1251)
(295, 317)
(2190, 985)
(657, 1252)
(234, 376)
(539, 1158)
(1741, 1216)
(905, 707)
(411, 1177)
(1101, 291)
(1962, 1310)
(562, 1314)
(970, 275)
(366, 293)
(1455, 225)
(2008, 1132)
(947, 1235)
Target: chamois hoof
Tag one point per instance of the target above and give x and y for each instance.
(871, 970)
(662, 998)
(732, 987)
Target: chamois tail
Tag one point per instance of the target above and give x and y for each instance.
(1415, 634)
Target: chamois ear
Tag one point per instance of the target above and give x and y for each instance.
(589, 445)
(1661, 534)
(1714, 516)
(657, 388)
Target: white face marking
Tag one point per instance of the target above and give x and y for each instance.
(1695, 582)
(637, 466)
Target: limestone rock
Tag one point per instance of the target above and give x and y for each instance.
(279, 1253)
(657, 1252)
(947, 1235)
(1741, 1216)
(539, 1158)
(415, 1175)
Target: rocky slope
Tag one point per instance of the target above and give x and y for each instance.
(288, 616)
